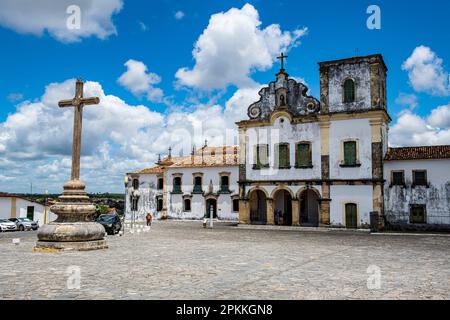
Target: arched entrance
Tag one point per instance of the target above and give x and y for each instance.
(309, 208)
(282, 205)
(258, 207)
(211, 203)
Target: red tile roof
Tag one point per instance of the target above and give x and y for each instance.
(205, 157)
(418, 153)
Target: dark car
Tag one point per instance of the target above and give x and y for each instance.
(25, 224)
(111, 223)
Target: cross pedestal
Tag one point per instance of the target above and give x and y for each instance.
(74, 229)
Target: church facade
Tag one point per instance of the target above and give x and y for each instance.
(308, 162)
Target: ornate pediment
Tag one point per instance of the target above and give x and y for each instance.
(283, 94)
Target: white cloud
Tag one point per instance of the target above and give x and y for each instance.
(35, 141)
(440, 117)
(179, 15)
(139, 81)
(405, 99)
(414, 130)
(426, 72)
(37, 17)
(234, 45)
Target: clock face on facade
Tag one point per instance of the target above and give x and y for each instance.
(254, 112)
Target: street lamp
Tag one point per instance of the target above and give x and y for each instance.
(136, 196)
(134, 199)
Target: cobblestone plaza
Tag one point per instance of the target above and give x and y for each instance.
(181, 260)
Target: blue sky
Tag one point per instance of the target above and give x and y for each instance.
(151, 33)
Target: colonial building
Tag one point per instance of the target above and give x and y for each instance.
(306, 162)
(188, 187)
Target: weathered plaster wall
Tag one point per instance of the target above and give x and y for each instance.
(147, 201)
(354, 129)
(398, 199)
(340, 195)
(337, 74)
(284, 132)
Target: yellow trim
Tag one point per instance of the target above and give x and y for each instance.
(358, 215)
(325, 138)
(302, 189)
(375, 124)
(280, 188)
(13, 207)
(258, 188)
(279, 114)
(369, 114)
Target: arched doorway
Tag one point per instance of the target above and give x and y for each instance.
(282, 206)
(258, 207)
(309, 209)
(211, 203)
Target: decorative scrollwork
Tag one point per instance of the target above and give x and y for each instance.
(254, 112)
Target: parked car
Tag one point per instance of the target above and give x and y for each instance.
(111, 223)
(6, 225)
(25, 224)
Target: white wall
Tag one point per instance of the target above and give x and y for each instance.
(356, 129)
(21, 210)
(147, 201)
(360, 195)
(436, 198)
(5, 208)
(284, 132)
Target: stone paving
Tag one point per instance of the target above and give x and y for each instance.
(181, 260)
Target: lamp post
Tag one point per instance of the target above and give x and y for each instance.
(134, 198)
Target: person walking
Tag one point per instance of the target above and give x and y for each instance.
(149, 218)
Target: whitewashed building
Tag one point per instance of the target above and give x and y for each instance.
(13, 206)
(417, 188)
(186, 187)
(305, 162)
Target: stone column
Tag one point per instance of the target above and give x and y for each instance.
(244, 212)
(377, 169)
(270, 212)
(295, 212)
(324, 215)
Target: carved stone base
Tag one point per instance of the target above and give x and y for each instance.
(46, 246)
(71, 232)
(74, 228)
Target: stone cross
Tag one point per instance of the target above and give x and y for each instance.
(282, 57)
(78, 102)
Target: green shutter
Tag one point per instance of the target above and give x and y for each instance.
(262, 155)
(350, 153)
(283, 156)
(304, 155)
(349, 91)
(351, 216)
